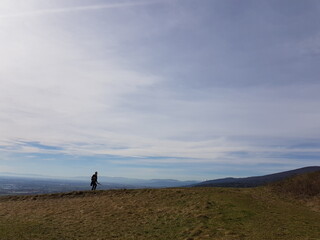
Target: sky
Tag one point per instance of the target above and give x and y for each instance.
(181, 89)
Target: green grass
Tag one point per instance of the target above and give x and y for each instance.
(163, 214)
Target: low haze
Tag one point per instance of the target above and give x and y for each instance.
(182, 89)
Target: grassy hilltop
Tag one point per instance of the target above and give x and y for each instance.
(163, 214)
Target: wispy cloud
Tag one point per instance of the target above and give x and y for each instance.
(182, 85)
(40, 12)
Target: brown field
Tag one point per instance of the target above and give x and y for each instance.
(164, 214)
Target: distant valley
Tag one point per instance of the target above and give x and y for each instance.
(26, 185)
(11, 184)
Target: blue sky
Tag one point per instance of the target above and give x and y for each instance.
(184, 89)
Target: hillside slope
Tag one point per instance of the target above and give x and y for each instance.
(300, 186)
(256, 181)
(171, 214)
(303, 187)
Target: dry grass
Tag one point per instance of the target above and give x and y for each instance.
(164, 214)
(301, 186)
(304, 188)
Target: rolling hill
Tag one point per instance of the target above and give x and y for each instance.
(256, 181)
(299, 186)
(261, 213)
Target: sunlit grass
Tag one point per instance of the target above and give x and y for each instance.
(164, 214)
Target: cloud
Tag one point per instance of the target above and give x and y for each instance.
(40, 12)
(6, 169)
(184, 83)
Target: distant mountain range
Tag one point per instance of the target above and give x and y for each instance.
(255, 181)
(142, 183)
